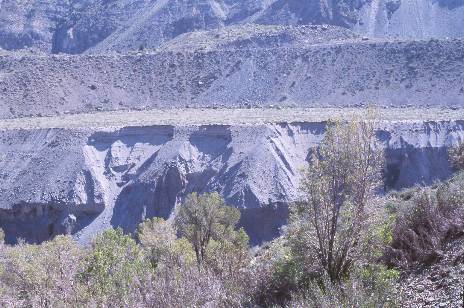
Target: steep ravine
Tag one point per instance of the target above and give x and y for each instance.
(82, 181)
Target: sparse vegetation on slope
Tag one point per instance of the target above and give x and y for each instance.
(427, 218)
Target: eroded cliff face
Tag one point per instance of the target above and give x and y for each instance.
(415, 19)
(100, 26)
(81, 182)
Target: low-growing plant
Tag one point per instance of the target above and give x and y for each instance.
(41, 275)
(456, 156)
(426, 218)
(371, 287)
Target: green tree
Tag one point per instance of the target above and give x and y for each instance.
(203, 218)
(158, 238)
(328, 226)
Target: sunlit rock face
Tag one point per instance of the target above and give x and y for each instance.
(81, 182)
(101, 26)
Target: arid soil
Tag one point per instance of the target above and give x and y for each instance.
(439, 285)
(210, 116)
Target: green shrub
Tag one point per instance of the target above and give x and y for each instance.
(369, 288)
(426, 218)
(114, 268)
(456, 156)
(290, 279)
(157, 238)
(202, 218)
(275, 272)
(41, 275)
(226, 257)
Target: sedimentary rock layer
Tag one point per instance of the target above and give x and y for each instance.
(83, 180)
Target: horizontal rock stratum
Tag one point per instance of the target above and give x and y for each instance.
(81, 174)
(347, 73)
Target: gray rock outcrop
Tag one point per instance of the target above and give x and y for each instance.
(82, 181)
(100, 26)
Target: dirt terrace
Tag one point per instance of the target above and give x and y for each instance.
(256, 116)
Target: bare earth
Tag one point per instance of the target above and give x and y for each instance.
(115, 119)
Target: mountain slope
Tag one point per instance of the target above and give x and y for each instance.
(412, 18)
(77, 26)
(250, 36)
(343, 73)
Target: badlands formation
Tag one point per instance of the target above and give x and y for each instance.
(111, 112)
(80, 174)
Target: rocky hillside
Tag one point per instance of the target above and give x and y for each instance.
(439, 285)
(251, 36)
(348, 72)
(78, 26)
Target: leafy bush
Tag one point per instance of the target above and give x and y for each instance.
(41, 275)
(275, 276)
(203, 218)
(114, 269)
(157, 237)
(226, 257)
(282, 281)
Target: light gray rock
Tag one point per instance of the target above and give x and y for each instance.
(82, 181)
(100, 26)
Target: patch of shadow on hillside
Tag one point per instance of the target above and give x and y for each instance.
(154, 135)
(411, 166)
(36, 223)
(212, 141)
(451, 4)
(139, 201)
(263, 224)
